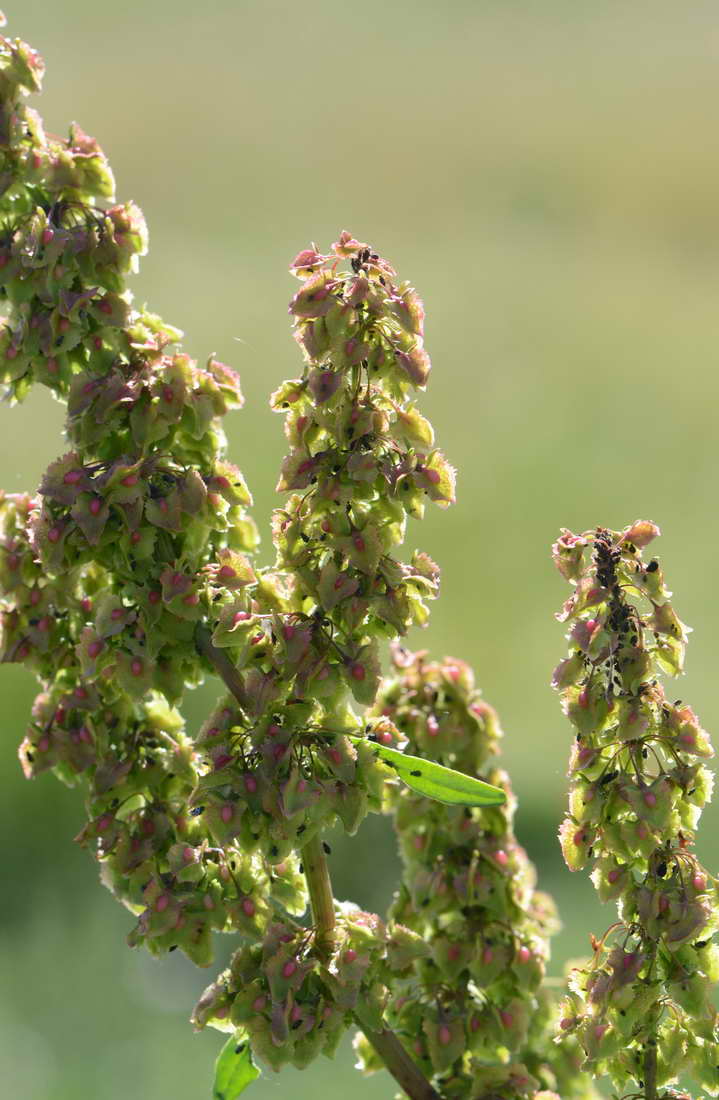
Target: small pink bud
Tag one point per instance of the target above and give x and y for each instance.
(335, 756)
(339, 582)
(274, 729)
(248, 907)
(208, 902)
(105, 306)
(47, 235)
(487, 956)
(191, 599)
(222, 1012)
(278, 752)
(259, 1003)
(63, 324)
(136, 667)
(226, 572)
(162, 902)
(35, 595)
(507, 1018)
(226, 813)
(135, 537)
(583, 698)
(289, 968)
(188, 854)
(359, 543)
(288, 632)
(250, 784)
(357, 671)
(116, 614)
(566, 1022)
(444, 1035)
(599, 1031)
(130, 480)
(154, 597)
(43, 744)
(94, 649)
(432, 726)
(350, 955)
(650, 799)
(418, 842)
(168, 395)
(453, 952)
(53, 534)
(432, 476)
(72, 477)
(240, 617)
(699, 883)
(95, 505)
(103, 823)
(614, 875)
(524, 954)
(474, 1023)
(501, 857)
(296, 1014)
(97, 343)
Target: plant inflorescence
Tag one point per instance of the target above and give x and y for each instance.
(129, 576)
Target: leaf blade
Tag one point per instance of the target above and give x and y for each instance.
(437, 782)
(234, 1070)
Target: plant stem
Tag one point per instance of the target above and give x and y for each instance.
(650, 1072)
(221, 663)
(398, 1062)
(319, 885)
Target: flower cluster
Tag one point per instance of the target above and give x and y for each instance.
(473, 1002)
(128, 577)
(643, 1007)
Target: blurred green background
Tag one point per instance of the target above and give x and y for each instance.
(547, 176)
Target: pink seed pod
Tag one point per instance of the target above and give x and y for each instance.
(162, 903)
(136, 666)
(95, 648)
(566, 1022)
(524, 954)
(507, 1018)
(188, 854)
(501, 857)
(613, 875)
(54, 534)
(289, 968)
(433, 476)
(226, 813)
(432, 726)
(487, 956)
(208, 902)
(350, 955)
(240, 617)
(650, 799)
(95, 505)
(248, 907)
(250, 784)
(699, 882)
(72, 477)
(226, 572)
(259, 1003)
(358, 671)
(453, 952)
(444, 1035)
(474, 1023)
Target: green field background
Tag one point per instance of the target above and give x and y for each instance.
(547, 174)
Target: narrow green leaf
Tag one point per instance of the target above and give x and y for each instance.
(437, 782)
(234, 1069)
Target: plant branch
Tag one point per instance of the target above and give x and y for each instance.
(221, 663)
(650, 1072)
(322, 901)
(398, 1062)
(405, 1071)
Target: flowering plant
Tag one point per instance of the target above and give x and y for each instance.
(129, 577)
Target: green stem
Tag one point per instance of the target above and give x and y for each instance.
(405, 1071)
(650, 1072)
(221, 663)
(322, 901)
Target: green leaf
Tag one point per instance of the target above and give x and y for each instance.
(435, 781)
(234, 1069)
